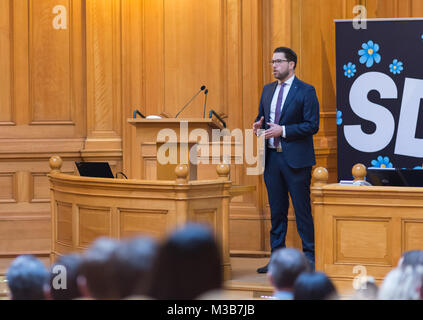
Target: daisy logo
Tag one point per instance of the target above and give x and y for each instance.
(369, 54)
(396, 67)
(350, 70)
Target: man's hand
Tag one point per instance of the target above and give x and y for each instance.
(275, 130)
(257, 125)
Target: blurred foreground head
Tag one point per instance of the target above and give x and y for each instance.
(96, 272)
(188, 264)
(63, 277)
(314, 286)
(285, 266)
(27, 278)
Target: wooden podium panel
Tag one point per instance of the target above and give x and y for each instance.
(364, 230)
(84, 208)
(141, 162)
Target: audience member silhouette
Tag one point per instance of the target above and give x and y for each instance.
(314, 286)
(188, 265)
(27, 278)
(63, 277)
(412, 258)
(284, 267)
(132, 265)
(96, 279)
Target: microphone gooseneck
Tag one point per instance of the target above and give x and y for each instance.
(205, 102)
(190, 100)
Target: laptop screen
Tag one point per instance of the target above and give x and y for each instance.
(413, 177)
(94, 169)
(385, 177)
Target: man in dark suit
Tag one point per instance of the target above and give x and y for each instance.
(289, 114)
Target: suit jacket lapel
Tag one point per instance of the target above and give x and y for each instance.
(268, 101)
(291, 95)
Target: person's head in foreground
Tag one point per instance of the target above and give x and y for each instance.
(314, 286)
(284, 268)
(27, 278)
(188, 264)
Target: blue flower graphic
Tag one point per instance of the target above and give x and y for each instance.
(338, 117)
(396, 67)
(369, 53)
(381, 162)
(350, 70)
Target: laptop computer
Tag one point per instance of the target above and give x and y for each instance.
(412, 177)
(94, 169)
(385, 177)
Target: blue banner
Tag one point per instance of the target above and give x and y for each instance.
(379, 81)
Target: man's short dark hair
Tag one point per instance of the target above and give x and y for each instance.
(26, 278)
(286, 265)
(289, 54)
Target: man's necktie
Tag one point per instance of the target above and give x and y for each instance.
(277, 139)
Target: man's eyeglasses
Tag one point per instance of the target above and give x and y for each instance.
(277, 61)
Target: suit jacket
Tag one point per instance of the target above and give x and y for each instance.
(300, 116)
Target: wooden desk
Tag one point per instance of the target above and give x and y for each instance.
(363, 228)
(84, 208)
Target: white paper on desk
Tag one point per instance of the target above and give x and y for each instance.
(153, 117)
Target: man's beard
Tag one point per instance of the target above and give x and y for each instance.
(281, 76)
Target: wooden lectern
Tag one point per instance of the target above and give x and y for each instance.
(150, 134)
(84, 208)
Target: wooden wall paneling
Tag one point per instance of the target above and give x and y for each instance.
(25, 208)
(45, 104)
(20, 70)
(233, 63)
(8, 189)
(103, 24)
(153, 64)
(6, 62)
(416, 8)
(244, 29)
(383, 8)
(247, 214)
(405, 8)
(278, 24)
(132, 72)
(193, 55)
(49, 53)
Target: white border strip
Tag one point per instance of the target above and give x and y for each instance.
(379, 19)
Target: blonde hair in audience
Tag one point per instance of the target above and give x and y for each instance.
(402, 283)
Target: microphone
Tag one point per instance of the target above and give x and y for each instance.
(205, 102)
(189, 101)
(136, 111)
